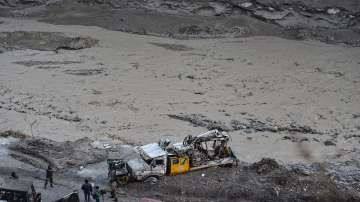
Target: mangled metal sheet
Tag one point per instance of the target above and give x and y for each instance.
(180, 146)
(137, 164)
(15, 185)
(211, 135)
(152, 150)
(178, 149)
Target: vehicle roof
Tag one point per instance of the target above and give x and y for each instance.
(15, 185)
(138, 164)
(152, 150)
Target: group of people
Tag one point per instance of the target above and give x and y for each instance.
(88, 192)
(87, 188)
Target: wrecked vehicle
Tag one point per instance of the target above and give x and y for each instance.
(24, 191)
(156, 160)
(18, 190)
(71, 197)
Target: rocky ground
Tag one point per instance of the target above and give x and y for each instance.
(282, 78)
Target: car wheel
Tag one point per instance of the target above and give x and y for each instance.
(151, 180)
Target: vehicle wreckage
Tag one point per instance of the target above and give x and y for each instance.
(155, 160)
(24, 191)
(18, 190)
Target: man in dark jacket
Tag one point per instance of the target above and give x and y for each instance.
(87, 189)
(49, 176)
(14, 176)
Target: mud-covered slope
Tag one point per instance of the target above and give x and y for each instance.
(266, 180)
(328, 21)
(349, 5)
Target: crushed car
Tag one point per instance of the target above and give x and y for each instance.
(155, 160)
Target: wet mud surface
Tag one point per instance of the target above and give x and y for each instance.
(85, 87)
(58, 155)
(327, 21)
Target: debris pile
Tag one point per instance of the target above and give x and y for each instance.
(14, 134)
(244, 183)
(44, 41)
(344, 174)
(257, 125)
(78, 43)
(84, 72)
(250, 125)
(265, 166)
(201, 121)
(14, 3)
(173, 47)
(328, 21)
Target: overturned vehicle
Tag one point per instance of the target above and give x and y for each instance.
(155, 160)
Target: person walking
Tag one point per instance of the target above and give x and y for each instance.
(14, 176)
(87, 189)
(49, 176)
(96, 194)
(113, 190)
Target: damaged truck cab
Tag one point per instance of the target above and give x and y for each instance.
(151, 164)
(156, 160)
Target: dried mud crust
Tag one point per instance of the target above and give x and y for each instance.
(265, 180)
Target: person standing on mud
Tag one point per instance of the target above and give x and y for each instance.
(87, 189)
(96, 194)
(113, 190)
(14, 176)
(49, 176)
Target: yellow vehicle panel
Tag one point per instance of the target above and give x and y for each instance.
(179, 165)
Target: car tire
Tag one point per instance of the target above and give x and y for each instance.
(151, 180)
